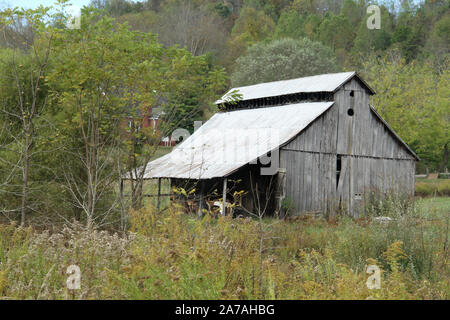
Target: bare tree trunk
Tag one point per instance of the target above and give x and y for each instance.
(445, 158)
(25, 177)
(27, 115)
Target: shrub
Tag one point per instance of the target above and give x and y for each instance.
(443, 188)
(425, 189)
(440, 187)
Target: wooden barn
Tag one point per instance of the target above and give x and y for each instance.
(310, 145)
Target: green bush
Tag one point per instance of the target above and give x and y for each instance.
(425, 189)
(443, 188)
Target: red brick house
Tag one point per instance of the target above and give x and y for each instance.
(151, 118)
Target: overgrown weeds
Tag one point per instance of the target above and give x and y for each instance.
(177, 256)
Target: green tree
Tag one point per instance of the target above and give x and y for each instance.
(438, 43)
(336, 32)
(23, 100)
(415, 101)
(290, 25)
(103, 74)
(191, 25)
(354, 11)
(252, 26)
(409, 32)
(283, 59)
(377, 40)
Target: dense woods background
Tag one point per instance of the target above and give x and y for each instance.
(66, 92)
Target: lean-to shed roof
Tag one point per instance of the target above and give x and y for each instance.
(231, 140)
(319, 83)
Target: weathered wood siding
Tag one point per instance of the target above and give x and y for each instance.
(371, 158)
(363, 177)
(310, 180)
(363, 134)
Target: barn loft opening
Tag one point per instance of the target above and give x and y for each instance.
(350, 110)
(278, 100)
(338, 169)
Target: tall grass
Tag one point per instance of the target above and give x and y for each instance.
(436, 187)
(177, 256)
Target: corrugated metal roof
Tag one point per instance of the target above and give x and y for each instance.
(318, 83)
(230, 140)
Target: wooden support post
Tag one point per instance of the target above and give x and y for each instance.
(123, 218)
(158, 203)
(170, 191)
(224, 199)
(280, 192)
(200, 204)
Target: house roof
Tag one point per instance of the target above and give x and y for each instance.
(231, 140)
(319, 83)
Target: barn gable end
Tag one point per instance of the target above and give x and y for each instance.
(346, 154)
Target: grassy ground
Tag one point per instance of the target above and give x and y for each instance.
(176, 256)
(436, 205)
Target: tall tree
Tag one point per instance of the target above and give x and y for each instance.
(24, 79)
(195, 27)
(251, 26)
(336, 32)
(413, 100)
(290, 25)
(283, 59)
(103, 74)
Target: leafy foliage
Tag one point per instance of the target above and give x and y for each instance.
(414, 100)
(281, 60)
